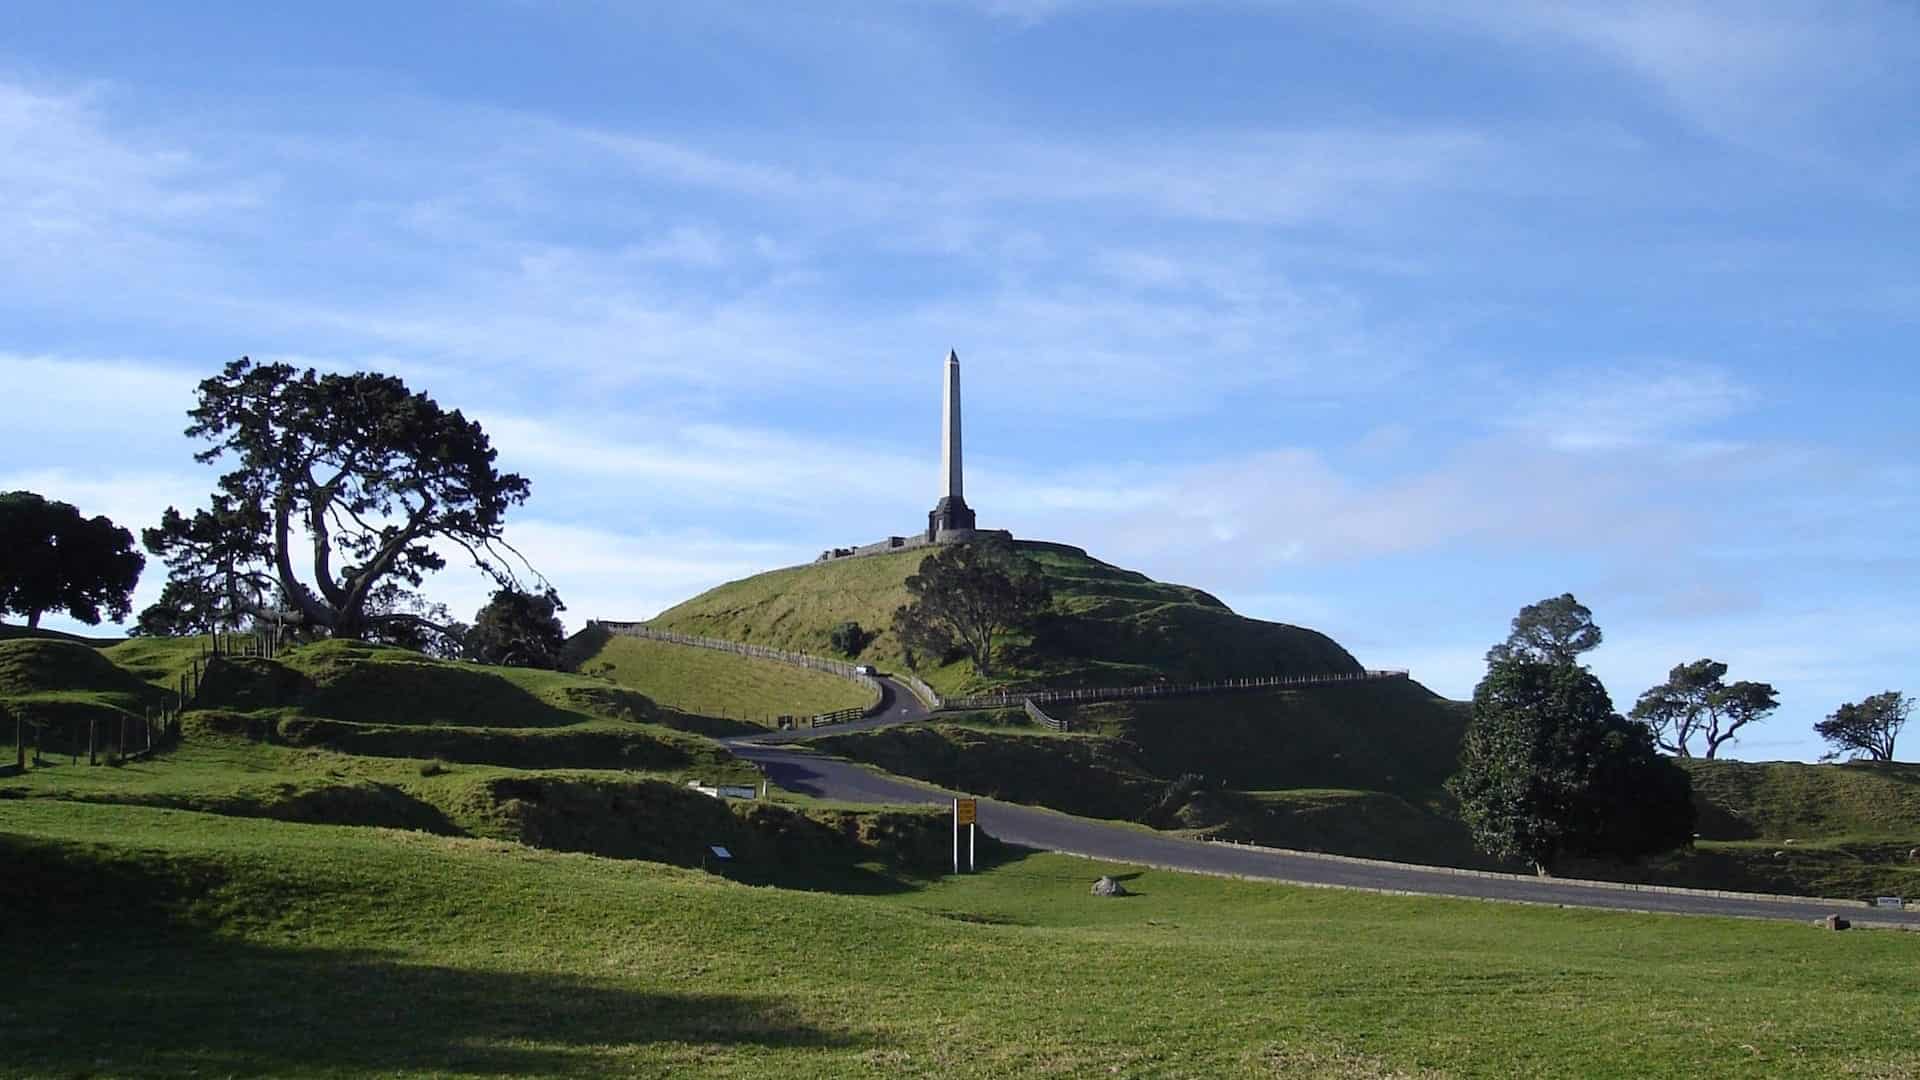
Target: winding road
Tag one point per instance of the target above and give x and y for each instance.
(807, 773)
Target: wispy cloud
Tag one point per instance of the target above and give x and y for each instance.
(1617, 407)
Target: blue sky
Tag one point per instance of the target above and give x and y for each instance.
(1381, 318)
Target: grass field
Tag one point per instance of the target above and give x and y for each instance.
(141, 941)
(1107, 626)
(706, 682)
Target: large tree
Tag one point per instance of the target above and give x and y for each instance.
(519, 629)
(364, 474)
(54, 559)
(1696, 701)
(1554, 631)
(1868, 727)
(966, 595)
(1548, 769)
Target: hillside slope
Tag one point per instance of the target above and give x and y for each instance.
(1107, 626)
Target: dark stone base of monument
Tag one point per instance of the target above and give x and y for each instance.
(952, 514)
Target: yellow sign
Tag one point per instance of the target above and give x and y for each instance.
(963, 811)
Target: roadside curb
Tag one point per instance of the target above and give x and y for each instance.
(1864, 924)
(1495, 875)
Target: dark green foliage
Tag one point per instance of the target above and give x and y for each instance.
(1554, 631)
(518, 629)
(965, 595)
(848, 638)
(186, 607)
(1869, 727)
(52, 559)
(1697, 701)
(370, 471)
(1547, 768)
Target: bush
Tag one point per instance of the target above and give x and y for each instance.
(849, 638)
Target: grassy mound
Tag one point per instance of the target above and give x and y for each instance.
(247, 947)
(48, 665)
(57, 694)
(1781, 800)
(706, 682)
(1107, 626)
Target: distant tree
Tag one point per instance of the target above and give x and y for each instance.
(848, 638)
(1548, 769)
(1554, 631)
(518, 629)
(53, 559)
(965, 595)
(1868, 727)
(183, 609)
(351, 465)
(1696, 701)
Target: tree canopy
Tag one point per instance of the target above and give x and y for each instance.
(364, 474)
(518, 629)
(965, 595)
(1696, 701)
(1867, 727)
(54, 559)
(1548, 768)
(1554, 631)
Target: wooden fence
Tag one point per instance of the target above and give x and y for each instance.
(1151, 690)
(920, 690)
(1039, 716)
(760, 652)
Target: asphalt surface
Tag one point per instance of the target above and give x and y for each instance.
(817, 775)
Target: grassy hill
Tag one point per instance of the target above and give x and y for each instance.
(224, 946)
(1107, 626)
(706, 682)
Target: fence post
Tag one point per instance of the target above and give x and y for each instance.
(93, 730)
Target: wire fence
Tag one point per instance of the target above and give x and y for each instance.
(1152, 690)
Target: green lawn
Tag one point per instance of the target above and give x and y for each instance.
(147, 942)
(708, 682)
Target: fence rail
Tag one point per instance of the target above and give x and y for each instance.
(739, 648)
(1150, 690)
(921, 690)
(1039, 716)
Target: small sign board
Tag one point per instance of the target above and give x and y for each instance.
(1894, 903)
(964, 811)
(721, 853)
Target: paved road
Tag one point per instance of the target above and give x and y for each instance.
(824, 777)
(897, 706)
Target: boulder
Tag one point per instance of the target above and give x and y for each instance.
(1106, 886)
(1834, 922)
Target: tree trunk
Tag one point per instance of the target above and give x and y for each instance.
(33, 620)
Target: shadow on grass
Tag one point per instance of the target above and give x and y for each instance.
(115, 966)
(222, 1007)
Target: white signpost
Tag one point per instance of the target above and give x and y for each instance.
(1894, 903)
(965, 811)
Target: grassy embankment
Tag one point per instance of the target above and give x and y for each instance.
(142, 942)
(348, 734)
(707, 682)
(1358, 769)
(1107, 626)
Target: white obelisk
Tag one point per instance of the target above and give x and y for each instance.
(950, 517)
(950, 432)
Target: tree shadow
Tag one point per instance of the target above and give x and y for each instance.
(185, 1002)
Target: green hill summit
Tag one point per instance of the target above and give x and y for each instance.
(1106, 626)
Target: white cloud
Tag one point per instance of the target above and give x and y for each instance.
(1622, 406)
